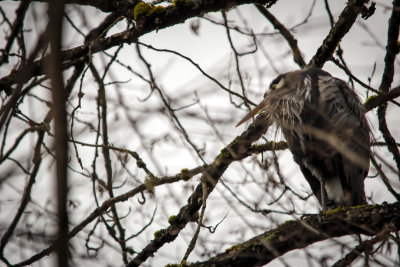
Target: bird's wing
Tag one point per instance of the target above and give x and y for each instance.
(346, 115)
(343, 110)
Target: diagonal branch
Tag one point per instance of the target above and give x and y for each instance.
(236, 150)
(364, 247)
(37, 160)
(185, 175)
(378, 100)
(341, 27)
(297, 57)
(15, 28)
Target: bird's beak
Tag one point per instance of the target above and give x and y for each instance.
(256, 110)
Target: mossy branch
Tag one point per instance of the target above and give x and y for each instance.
(378, 100)
(149, 19)
(367, 220)
(236, 150)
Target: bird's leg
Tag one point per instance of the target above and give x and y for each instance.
(325, 201)
(323, 194)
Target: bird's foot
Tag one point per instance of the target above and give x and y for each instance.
(328, 205)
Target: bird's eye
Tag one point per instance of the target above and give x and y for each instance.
(277, 83)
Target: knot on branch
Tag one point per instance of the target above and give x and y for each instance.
(367, 12)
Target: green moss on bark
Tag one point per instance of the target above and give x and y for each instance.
(146, 11)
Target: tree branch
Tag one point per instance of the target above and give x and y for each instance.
(121, 6)
(341, 27)
(367, 220)
(37, 160)
(364, 247)
(146, 23)
(236, 150)
(392, 49)
(297, 57)
(59, 97)
(185, 175)
(378, 100)
(15, 28)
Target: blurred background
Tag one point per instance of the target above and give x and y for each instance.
(170, 102)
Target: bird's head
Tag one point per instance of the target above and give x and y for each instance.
(285, 82)
(283, 86)
(288, 87)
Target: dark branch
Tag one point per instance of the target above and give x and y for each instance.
(55, 30)
(169, 16)
(392, 49)
(378, 100)
(341, 27)
(15, 28)
(236, 150)
(297, 57)
(364, 247)
(291, 235)
(122, 6)
(37, 160)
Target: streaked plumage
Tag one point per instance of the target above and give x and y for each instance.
(326, 130)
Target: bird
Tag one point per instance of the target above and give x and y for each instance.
(324, 124)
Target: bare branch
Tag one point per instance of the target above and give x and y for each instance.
(341, 27)
(171, 15)
(297, 57)
(387, 78)
(236, 150)
(378, 100)
(56, 10)
(292, 235)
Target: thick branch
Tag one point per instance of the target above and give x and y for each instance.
(105, 6)
(392, 49)
(55, 29)
(342, 26)
(171, 15)
(291, 235)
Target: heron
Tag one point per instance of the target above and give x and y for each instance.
(324, 124)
